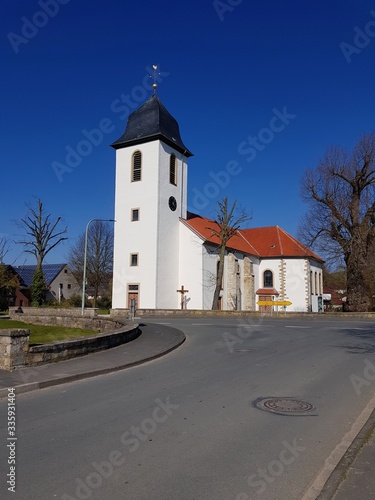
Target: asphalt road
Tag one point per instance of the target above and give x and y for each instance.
(185, 426)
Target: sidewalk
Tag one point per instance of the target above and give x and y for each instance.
(354, 477)
(154, 341)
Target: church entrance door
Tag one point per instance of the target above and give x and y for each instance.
(265, 309)
(133, 294)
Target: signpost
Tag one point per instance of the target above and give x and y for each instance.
(283, 303)
(274, 303)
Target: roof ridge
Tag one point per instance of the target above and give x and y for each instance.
(298, 243)
(278, 236)
(248, 242)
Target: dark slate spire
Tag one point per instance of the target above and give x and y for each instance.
(150, 122)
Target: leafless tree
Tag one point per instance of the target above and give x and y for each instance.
(99, 261)
(8, 278)
(4, 248)
(340, 221)
(225, 225)
(42, 234)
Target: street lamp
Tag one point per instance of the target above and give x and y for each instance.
(85, 260)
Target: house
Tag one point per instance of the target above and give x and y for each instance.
(167, 258)
(59, 279)
(333, 299)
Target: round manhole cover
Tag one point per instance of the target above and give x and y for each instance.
(244, 350)
(284, 406)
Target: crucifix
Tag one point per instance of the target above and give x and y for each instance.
(182, 292)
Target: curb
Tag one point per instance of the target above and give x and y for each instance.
(338, 475)
(33, 386)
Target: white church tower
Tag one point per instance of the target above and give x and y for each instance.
(150, 199)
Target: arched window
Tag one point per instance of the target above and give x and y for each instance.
(172, 170)
(268, 279)
(137, 166)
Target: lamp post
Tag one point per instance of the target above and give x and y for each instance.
(85, 260)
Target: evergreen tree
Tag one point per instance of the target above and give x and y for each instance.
(38, 288)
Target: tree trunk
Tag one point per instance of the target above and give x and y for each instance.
(219, 279)
(358, 298)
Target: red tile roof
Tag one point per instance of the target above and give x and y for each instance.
(267, 291)
(264, 242)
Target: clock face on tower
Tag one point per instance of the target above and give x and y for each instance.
(172, 203)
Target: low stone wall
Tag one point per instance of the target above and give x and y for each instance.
(53, 311)
(14, 345)
(191, 313)
(66, 349)
(66, 317)
(15, 350)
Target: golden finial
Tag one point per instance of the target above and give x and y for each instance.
(156, 74)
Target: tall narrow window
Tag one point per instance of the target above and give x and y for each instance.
(137, 166)
(134, 259)
(172, 170)
(135, 214)
(268, 279)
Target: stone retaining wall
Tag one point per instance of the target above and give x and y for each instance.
(191, 313)
(66, 349)
(54, 311)
(14, 345)
(15, 350)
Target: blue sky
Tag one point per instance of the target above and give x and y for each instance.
(259, 89)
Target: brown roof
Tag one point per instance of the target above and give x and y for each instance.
(264, 242)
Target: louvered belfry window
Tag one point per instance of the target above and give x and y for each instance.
(172, 170)
(137, 166)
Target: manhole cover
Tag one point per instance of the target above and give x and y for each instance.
(284, 406)
(244, 350)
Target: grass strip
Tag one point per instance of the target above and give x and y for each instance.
(43, 334)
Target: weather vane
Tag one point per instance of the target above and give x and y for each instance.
(156, 74)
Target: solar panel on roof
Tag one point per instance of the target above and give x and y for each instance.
(50, 271)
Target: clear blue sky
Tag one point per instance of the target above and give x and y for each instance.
(227, 70)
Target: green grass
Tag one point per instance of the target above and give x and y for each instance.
(103, 311)
(42, 334)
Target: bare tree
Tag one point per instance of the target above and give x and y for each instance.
(42, 234)
(99, 260)
(226, 224)
(8, 278)
(340, 221)
(4, 248)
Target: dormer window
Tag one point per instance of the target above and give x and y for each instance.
(172, 170)
(136, 166)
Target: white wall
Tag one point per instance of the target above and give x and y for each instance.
(168, 230)
(155, 236)
(191, 268)
(297, 280)
(136, 237)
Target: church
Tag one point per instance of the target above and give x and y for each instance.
(167, 258)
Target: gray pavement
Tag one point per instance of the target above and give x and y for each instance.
(352, 479)
(154, 341)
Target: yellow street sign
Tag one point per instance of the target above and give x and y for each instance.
(282, 303)
(274, 303)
